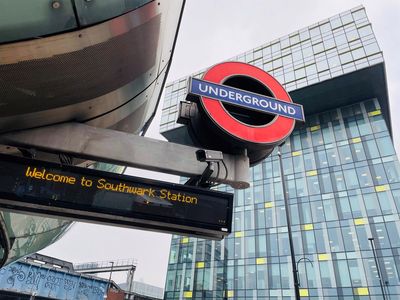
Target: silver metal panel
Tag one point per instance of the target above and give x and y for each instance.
(85, 74)
(82, 141)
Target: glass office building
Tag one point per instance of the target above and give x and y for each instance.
(341, 172)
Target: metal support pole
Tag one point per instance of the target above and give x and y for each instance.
(109, 278)
(292, 255)
(130, 277)
(371, 239)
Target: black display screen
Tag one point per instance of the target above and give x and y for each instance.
(91, 195)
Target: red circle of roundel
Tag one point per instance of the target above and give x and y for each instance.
(271, 133)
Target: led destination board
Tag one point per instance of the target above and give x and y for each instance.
(97, 196)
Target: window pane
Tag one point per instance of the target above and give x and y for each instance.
(333, 157)
(385, 146)
(327, 133)
(345, 154)
(344, 209)
(317, 211)
(351, 179)
(371, 149)
(358, 152)
(378, 174)
(393, 229)
(274, 276)
(298, 164)
(321, 159)
(258, 194)
(250, 277)
(330, 209)
(261, 246)
(272, 244)
(392, 171)
(378, 123)
(362, 236)
(322, 241)
(327, 274)
(357, 272)
(285, 276)
(364, 176)
(248, 220)
(364, 126)
(382, 239)
(386, 201)
(305, 213)
(313, 185)
(357, 206)
(294, 214)
(309, 161)
(338, 181)
(372, 204)
(335, 239)
(326, 183)
(309, 242)
(351, 127)
(343, 273)
(349, 238)
(260, 218)
(287, 165)
(301, 187)
(262, 280)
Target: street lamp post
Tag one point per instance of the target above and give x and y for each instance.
(378, 270)
(289, 227)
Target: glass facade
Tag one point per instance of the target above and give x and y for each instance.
(331, 48)
(343, 186)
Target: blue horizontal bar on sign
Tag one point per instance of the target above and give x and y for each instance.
(245, 99)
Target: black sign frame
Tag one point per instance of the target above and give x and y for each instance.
(32, 186)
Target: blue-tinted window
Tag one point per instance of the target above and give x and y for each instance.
(385, 146)
(333, 157)
(371, 149)
(344, 209)
(330, 209)
(343, 273)
(357, 206)
(378, 123)
(317, 211)
(349, 238)
(301, 187)
(335, 239)
(358, 152)
(392, 171)
(393, 229)
(351, 179)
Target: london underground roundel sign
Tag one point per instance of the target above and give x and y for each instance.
(247, 104)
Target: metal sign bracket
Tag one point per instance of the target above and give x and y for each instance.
(86, 142)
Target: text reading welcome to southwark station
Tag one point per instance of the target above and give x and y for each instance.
(103, 184)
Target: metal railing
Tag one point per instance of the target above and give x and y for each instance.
(106, 266)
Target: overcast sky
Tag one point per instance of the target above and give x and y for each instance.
(212, 31)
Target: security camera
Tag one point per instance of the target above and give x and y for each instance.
(209, 155)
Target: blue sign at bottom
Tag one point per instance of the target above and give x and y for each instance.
(41, 281)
